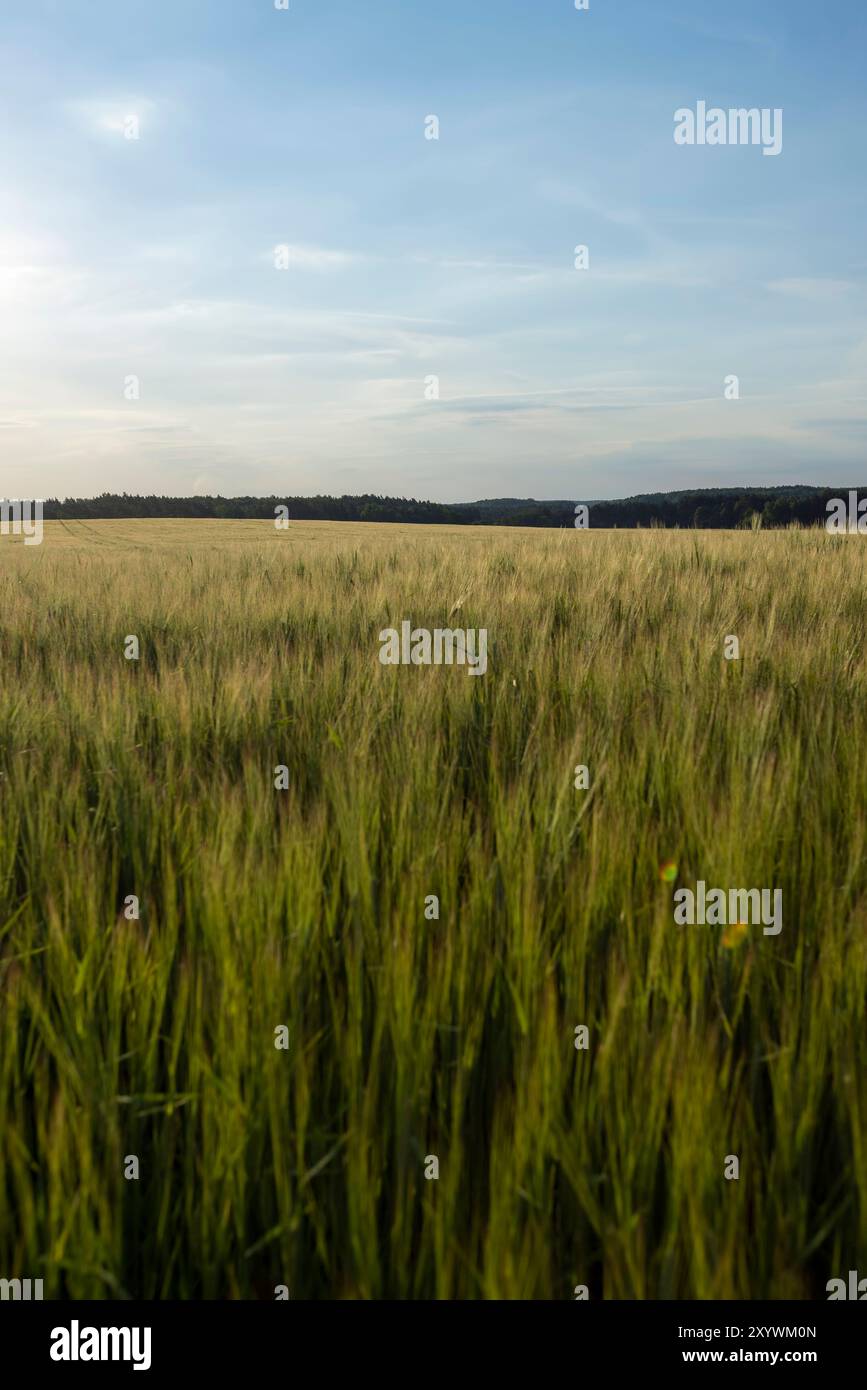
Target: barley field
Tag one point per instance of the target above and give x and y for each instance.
(411, 1036)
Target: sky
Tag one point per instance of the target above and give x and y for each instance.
(425, 331)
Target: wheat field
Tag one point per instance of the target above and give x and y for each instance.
(413, 1037)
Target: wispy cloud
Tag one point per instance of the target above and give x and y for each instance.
(815, 289)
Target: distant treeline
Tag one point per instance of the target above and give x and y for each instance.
(706, 508)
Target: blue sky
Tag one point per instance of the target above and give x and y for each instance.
(412, 258)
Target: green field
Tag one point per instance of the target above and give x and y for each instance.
(411, 1037)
